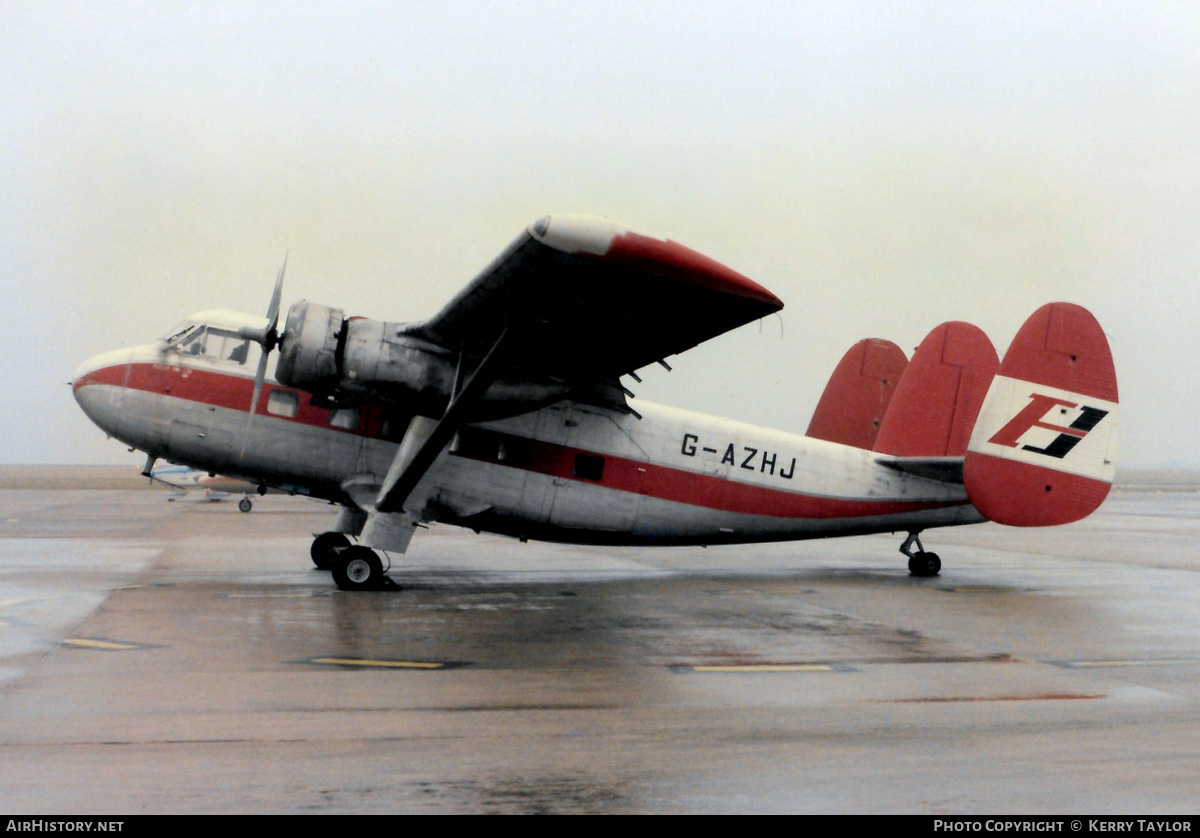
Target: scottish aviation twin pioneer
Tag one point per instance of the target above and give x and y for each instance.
(505, 412)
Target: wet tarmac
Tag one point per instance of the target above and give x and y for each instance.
(184, 657)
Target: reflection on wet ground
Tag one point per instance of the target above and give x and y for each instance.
(185, 657)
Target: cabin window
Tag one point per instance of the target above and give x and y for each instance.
(345, 418)
(589, 466)
(283, 403)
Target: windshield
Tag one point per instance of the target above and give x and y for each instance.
(176, 334)
(204, 341)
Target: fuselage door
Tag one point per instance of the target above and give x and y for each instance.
(600, 473)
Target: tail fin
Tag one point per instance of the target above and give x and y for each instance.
(858, 393)
(939, 395)
(1042, 451)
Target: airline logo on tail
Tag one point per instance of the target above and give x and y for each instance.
(1046, 426)
(1040, 408)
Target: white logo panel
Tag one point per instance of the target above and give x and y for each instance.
(1048, 427)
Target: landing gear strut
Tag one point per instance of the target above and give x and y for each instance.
(920, 563)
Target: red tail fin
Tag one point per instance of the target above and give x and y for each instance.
(1042, 451)
(939, 395)
(858, 393)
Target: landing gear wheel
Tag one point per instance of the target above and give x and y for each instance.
(358, 568)
(924, 564)
(245, 505)
(920, 563)
(325, 548)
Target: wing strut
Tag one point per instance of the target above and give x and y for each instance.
(410, 465)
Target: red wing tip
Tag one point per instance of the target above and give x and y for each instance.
(613, 241)
(669, 258)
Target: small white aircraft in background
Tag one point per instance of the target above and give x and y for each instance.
(216, 487)
(506, 412)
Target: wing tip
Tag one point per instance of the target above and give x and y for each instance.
(613, 241)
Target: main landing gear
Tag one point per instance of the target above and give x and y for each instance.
(358, 568)
(245, 505)
(354, 567)
(920, 563)
(325, 548)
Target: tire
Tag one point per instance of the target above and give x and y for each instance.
(925, 564)
(358, 568)
(325, 548)
(245, 505)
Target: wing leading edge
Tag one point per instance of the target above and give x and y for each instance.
(586, 300)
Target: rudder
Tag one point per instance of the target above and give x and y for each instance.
(939, 395)
(1043, 448)
(856, 398)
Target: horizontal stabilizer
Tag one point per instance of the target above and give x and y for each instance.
(939, 395)
(939, 469)
(858, 393)
(1042, 451)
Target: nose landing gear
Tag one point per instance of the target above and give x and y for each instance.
(920, 563)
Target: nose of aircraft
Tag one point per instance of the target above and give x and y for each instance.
(98, 384)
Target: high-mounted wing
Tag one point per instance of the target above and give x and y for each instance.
(564, 311)
(588, 299)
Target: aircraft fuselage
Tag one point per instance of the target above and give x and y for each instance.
(568, 472)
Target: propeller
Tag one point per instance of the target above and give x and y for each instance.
(268, 339)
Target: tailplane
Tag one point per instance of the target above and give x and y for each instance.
(1043, 448)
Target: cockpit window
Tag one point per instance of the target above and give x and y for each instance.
(209, 342)
(226, 345)
(179, 332)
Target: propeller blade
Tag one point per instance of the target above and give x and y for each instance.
(258, 385)
(272, 335)
(268, 339)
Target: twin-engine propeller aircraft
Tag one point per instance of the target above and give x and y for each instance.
(505, 412)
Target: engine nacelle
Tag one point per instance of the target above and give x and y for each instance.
(309, 347)
(324, 352)
(378, 355)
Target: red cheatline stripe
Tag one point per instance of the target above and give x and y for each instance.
(688, 487)
(620, 474)
(206, 387)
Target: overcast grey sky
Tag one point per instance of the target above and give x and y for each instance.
(882, 167)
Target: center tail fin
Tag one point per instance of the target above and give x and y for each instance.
(939, 395)
(1043, 448)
